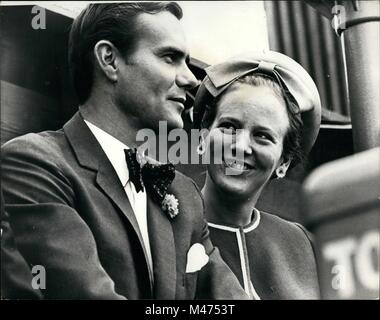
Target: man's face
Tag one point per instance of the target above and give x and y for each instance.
(153, 79)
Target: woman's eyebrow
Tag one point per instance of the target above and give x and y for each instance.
(256, 127)
(230, 118)
(267, 129)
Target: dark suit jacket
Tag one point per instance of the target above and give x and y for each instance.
(16, 276)
(70, 214)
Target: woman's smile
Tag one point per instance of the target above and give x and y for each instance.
(238, 165)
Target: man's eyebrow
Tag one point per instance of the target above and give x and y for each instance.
(176, 51)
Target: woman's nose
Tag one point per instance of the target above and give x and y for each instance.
(243, 142)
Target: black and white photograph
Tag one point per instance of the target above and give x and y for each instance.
(190, 150)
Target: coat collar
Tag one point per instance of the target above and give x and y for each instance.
(90, 155)
(83, 142)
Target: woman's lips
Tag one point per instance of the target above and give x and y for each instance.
(237, 165)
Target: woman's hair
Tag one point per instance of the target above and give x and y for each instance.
(292, 142)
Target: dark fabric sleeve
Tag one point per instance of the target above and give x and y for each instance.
(16, 276)
(48, 230)
(310, 239)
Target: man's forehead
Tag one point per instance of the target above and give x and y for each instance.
(162, 29)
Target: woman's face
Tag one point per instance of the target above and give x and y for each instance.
(262, 120)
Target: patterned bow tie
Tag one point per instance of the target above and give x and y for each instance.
(156, 178)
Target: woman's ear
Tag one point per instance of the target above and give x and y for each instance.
(106, 53)
(203, 141)
(283, 168)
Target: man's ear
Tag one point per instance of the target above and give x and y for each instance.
(105, 53)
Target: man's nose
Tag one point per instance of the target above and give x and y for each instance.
(185, 78)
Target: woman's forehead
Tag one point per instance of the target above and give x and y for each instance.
(254, 106)
(246, 99)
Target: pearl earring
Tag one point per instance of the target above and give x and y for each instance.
(280, 172)
(201, 148)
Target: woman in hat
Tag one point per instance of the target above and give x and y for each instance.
(266, 108)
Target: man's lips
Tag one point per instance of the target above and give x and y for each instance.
(181, 100)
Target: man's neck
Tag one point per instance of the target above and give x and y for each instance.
(106, 117)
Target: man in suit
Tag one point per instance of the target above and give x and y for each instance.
(16, 276)
(73, 204)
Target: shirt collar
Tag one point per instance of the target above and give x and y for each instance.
(234, 228)
(114, 149)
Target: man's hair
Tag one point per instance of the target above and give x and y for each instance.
(292, 142)
(114, 22)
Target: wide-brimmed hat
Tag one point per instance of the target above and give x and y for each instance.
(294, 80)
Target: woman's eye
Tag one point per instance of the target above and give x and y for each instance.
(228, 128)
(264, 136)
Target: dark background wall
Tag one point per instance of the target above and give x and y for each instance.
(36, 93)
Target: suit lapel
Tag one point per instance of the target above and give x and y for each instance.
(108, 181)
(90, 154)
(163, 252)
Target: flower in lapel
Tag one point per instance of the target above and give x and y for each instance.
(157, 178)
(170, 205)
(197, 258)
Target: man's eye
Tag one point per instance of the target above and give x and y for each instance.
(169, 59)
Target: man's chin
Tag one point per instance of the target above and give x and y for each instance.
(163, 127)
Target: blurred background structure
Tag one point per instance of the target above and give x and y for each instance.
(342, 204)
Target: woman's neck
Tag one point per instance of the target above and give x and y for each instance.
(224, 208)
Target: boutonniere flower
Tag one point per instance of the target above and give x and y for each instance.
(170, 205)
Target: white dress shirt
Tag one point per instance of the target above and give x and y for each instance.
(114, 149)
